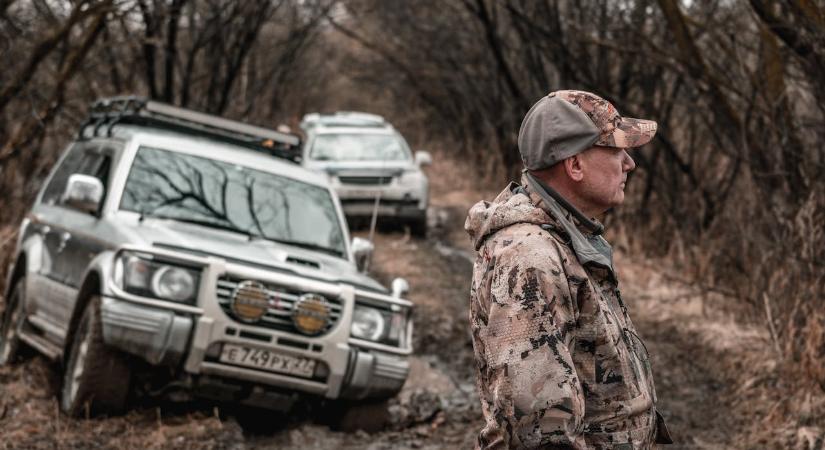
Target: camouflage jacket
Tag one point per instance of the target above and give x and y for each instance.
(559, 363)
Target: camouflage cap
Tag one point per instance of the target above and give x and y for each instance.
(565, 123)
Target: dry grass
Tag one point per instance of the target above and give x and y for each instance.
(31, 419)
(721, 381)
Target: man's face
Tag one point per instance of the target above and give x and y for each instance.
(604, 175)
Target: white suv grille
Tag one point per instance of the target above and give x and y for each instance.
(282, 300)
(365, 180)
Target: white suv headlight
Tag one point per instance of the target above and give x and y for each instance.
(367, 323)
(411, 178)
(385, 326)
(141, 274)
(173, 283)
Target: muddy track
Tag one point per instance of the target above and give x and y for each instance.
(692, 393)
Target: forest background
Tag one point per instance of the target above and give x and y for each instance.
(730, 194)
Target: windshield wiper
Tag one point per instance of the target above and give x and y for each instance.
(204, 223)
(306, 245)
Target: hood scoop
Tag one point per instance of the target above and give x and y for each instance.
(303, 262)
(289, 259)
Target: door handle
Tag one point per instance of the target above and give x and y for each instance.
(64, 237)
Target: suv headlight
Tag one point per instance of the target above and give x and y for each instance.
(141, 274)
(412, 178)
(385, 326)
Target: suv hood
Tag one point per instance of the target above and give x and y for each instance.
(237, 248)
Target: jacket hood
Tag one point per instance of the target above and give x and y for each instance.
(532, 203)
(512, 206)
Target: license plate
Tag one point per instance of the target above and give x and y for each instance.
(267, 360)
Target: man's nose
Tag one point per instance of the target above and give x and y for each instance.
(628, 163)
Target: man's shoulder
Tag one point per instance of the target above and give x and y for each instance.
(526, 244)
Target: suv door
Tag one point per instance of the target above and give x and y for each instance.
(68, 235)
(80, 242)
(47, 283)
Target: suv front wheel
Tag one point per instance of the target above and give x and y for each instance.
(418, 225)
(96, 378)
(371, 415)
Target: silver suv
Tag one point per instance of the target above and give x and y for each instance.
(170, 250)
(370, 166)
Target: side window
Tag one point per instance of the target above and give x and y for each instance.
(68, 165)
(97, 165)
(86, 161)
(102, 171)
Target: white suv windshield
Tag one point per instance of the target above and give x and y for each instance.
(358, 147)
(221, 195)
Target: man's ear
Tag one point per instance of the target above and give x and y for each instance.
(573, 167)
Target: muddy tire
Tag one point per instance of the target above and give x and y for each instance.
(96, 378)
(257, 421)
(418, 226)
(11, 349)
(368, 415)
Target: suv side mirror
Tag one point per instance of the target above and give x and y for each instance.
(400, 287)
(362, 250)
(423, 158)
(83, 192)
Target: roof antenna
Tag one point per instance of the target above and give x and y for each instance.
(374, 219)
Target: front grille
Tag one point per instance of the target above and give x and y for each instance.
(281, 299)
(373, 181)
(383, 202)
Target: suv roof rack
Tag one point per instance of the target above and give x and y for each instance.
(140, 111)
(344, 119)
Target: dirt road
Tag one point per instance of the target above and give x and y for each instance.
(715, 379)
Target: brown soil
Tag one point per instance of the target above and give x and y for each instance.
(719, 382)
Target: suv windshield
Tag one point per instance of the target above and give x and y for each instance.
(358, 147)
(228, 196)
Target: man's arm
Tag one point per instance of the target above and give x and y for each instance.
(533, 394)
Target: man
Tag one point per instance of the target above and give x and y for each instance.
(559, 363)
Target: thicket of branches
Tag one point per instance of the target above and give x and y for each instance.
(733, 186)
(734, 183)
(240, 59)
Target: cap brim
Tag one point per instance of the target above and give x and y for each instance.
(630, 133)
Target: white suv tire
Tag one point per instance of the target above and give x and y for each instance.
(96, 378)
(418, 226)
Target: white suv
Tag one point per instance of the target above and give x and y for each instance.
(175, 239)
(370, 166)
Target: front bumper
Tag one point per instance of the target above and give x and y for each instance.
(395, 199)
(190, 339)
(159, 336)
(386, 208)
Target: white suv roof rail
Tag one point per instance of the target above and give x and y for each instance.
(108, 112)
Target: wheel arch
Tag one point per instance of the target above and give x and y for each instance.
(17, 272)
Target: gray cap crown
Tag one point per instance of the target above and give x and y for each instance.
(565, 123)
